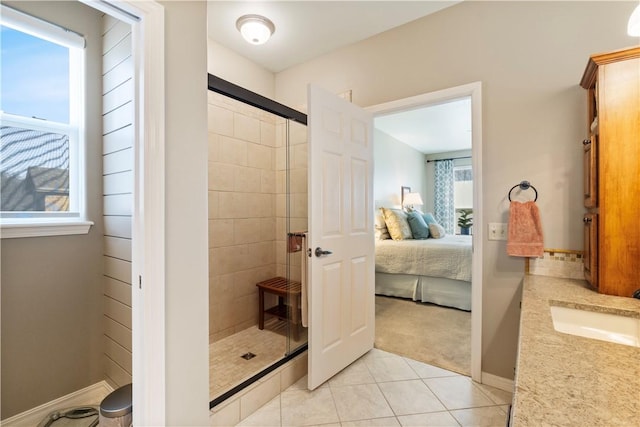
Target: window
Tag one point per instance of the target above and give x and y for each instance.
(41, 128)
(462, 191)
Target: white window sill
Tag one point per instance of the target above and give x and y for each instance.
(34, 228)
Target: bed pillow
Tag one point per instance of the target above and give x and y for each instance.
(397, 224)
(419, 228)
(436, 230)
(380, 227)
(428, 218)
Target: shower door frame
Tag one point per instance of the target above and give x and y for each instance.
(231, 90)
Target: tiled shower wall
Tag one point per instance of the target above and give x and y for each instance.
(295, 155)
(242, 225)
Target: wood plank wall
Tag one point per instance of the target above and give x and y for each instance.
(117, 144)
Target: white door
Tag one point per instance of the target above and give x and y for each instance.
(341, 283)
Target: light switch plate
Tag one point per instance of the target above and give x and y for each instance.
(497, 231)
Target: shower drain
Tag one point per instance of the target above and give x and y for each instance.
(248, 356)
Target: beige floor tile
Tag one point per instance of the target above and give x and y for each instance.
(267, 416)
(429, 371)
(491, 416)
(433, 419)
(410, 397)
(305, 408)
(360, 402)
(377, 422)
(356, 373)
(390, 369)
(458, 392)
(375, 353)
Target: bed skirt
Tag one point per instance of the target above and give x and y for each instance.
(436, 290)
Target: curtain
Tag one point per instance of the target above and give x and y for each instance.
(444, 210)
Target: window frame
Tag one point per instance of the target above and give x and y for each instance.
(36, 224)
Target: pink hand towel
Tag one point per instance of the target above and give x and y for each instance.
(525, 230)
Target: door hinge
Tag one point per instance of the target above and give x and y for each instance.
(139, 282)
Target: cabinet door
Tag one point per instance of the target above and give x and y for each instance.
(590, 172)
(590, 256)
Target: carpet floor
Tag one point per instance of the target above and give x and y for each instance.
(424, 332)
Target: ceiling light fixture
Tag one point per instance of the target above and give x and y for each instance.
(256, 29)
(633, 27)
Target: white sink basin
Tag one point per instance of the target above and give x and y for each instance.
(613, 328)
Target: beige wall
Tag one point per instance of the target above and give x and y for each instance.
(396, 165)
(228, 65)
(51, 286)
(529, 57)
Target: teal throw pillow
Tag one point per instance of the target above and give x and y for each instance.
(419, 227)
(429, 219)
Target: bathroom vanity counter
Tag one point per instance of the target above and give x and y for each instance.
(564, 379)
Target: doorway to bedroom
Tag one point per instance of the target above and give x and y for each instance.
(427, 196)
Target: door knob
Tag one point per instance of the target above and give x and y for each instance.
(320, 252)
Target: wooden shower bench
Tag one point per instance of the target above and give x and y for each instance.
(282, 288)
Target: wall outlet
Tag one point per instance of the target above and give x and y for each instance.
(497, 231)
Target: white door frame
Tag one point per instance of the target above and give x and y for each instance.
(475, 91)
(148, 243)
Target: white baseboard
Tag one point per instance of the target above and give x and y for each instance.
(91, 395)
(497, 382)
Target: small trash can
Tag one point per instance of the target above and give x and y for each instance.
(116, 410)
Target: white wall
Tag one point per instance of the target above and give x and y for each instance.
(230, 66)
(396, 165)
(186, 266)
(530, 57)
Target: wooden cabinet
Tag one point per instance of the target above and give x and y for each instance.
(612, 172)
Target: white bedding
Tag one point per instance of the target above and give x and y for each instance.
(449, 257)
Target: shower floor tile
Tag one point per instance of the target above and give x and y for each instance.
(227, 367)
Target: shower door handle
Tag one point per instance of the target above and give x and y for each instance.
(320, 252)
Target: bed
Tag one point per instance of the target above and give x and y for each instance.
(437, 271)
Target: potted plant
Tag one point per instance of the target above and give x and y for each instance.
(465, 221)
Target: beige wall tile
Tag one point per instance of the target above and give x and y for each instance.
(260, 156)
(259, 396)
(232, 205)
(226, 416)
(246, 128)
(221, 232)
(268, 134)
(246, 231)
(267, 228)
(233, 151)
(247, 180)
(293, 371)
(298, 182)
(300, 156)
(281, 159)
(221, 176)
(213, 204)
(297, 133)
(281, 181)
(220, 120)
(281, 134)
(214, 146)
(267, 181)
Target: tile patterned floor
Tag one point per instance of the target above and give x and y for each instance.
(227, 368)
(384, 389)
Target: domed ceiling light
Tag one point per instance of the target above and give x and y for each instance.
(633, 27)
(256, 29)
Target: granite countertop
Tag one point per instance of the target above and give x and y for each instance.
(568, 380)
